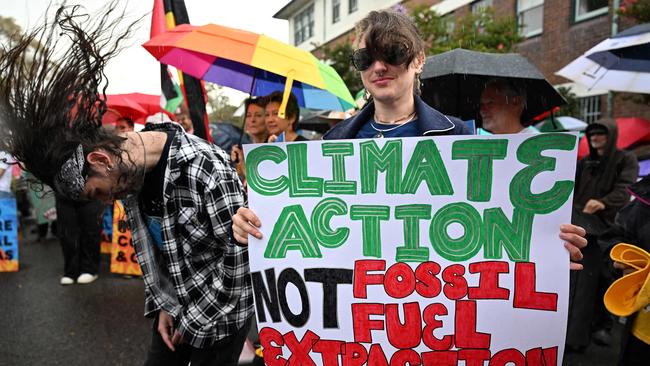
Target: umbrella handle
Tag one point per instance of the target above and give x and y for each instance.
(243, 125)
(553, 121)
(285, 96)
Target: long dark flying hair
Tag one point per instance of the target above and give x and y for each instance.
(52, 95)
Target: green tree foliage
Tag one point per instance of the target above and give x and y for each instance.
(10, 31)
(219, 107)
(339, 56)
(480, 31)
(9, 28)
(433, 28)
(637, 10)
(490, 34)
(572, 106)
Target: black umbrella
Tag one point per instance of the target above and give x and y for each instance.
(452, 82)
(225, 135)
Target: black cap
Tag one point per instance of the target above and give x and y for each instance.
(596, 128)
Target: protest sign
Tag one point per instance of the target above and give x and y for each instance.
(106, 241)
(8, 235)
(432, 251)
(123, 258)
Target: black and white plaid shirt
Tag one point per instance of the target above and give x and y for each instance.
(200, 276)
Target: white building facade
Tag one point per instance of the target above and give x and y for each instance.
(313, 23)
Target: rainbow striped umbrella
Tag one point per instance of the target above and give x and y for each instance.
(252, 63)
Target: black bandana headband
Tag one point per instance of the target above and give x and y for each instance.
(70, 181)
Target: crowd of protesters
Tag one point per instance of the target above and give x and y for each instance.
(198, 292)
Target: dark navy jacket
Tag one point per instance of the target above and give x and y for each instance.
(430, 122)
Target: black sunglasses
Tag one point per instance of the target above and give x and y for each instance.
(394, 55)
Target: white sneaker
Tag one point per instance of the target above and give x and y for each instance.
(65, 280)
(86, 278)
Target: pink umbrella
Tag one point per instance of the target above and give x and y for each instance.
(136, 106)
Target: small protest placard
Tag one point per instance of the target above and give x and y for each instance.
(432, 251)
(106, 241)
(123, 258)
(8, 235)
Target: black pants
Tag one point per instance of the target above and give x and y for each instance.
(223, 353)
(79, 230)
(42, 229)
(634, 351)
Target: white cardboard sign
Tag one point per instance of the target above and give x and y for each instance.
(413, 251)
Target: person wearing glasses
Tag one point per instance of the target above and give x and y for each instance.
(389, 57)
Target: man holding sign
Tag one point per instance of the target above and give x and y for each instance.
(364, 282)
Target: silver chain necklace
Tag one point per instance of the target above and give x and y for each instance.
(380, 132)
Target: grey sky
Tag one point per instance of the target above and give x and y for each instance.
(135, 70)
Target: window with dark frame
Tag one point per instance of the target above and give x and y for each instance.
(590, 108)
(303, 25)
(336, 11)
(585, 9)
(530, 14)
(352, 6)
(481, 4)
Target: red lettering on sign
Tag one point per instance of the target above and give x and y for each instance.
(300, 349)
(428, 283)
(362, 279)
(526, 296)
(408, 333)
(362, 325)
(431, 324)
(466, 334)
(456, 285)
(488, 286)
(272, 353)
(440, 358)
(510, 357)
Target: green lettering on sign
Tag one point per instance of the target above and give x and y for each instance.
(530, 153)
(427, 165)
(370, 217)
(480, 155)
(465, 246)
(338, 151)
(412, 214)
(302, 185)
(513, 236)
(387, 159)
(292, 232)
(263, 186)
(320, 221)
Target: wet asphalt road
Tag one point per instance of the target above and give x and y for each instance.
(44, 323)
(100, 324)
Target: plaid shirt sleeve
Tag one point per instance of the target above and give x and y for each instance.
(219, 300)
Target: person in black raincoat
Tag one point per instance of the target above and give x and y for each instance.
(600, 192)
(603, 176)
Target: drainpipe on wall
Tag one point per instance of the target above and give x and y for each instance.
(325, 20)
(610, 96)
